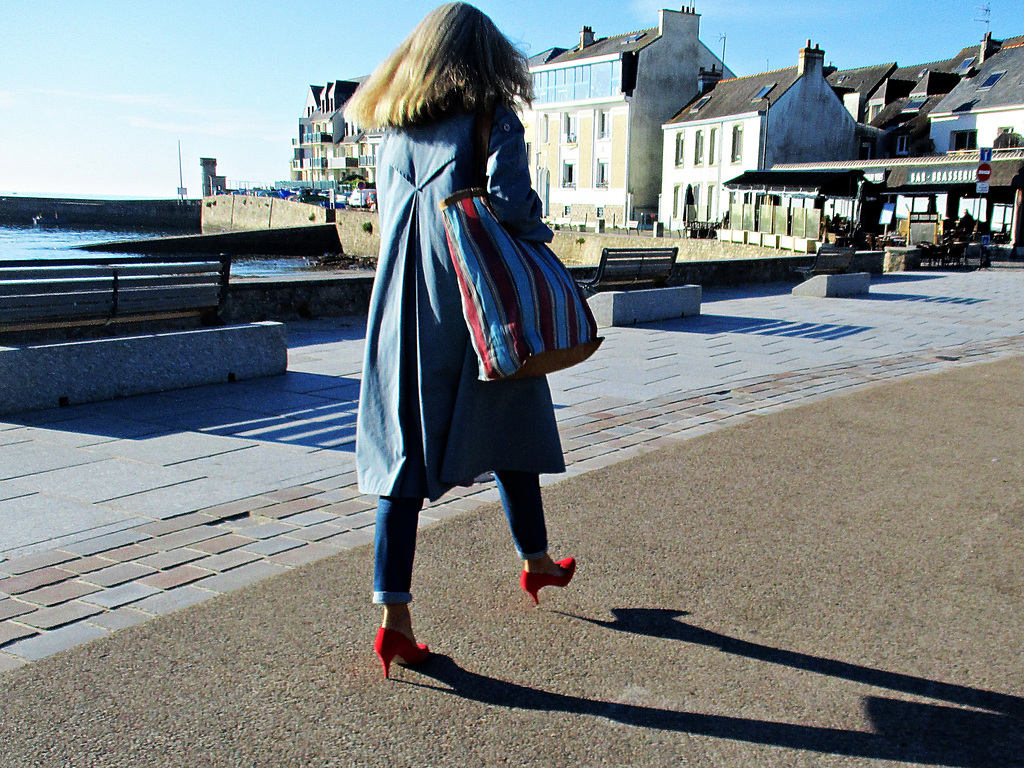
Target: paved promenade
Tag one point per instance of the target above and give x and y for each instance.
(831, 585)
(114, 513)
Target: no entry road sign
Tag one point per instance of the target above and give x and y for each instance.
(984, 172)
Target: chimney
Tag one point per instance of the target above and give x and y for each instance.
(708, 80)
(988, 48)
(586, 37)
(811, 60)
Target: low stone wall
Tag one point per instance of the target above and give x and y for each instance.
(340, 294)
(167, 215)
(334, 294)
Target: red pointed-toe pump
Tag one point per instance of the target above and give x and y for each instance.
(393, 645)
(532, 582)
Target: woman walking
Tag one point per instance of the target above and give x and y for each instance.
(426, 423)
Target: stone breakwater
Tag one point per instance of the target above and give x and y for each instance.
(165, 215)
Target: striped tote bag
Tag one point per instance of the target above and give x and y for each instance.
(526, 315)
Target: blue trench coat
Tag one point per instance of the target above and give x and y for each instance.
(425, 422)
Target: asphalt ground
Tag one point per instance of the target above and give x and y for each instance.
(836, 584)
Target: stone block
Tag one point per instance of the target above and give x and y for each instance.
(48, 375)
(832, 286)
(618, 308)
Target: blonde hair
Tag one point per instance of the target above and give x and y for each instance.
(454, 61)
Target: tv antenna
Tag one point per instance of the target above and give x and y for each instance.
(721, 39)
(986, 16)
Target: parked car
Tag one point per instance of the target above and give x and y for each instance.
(363, 198)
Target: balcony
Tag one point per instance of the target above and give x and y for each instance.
(315, 138)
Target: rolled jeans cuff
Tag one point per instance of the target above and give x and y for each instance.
(534, 556)
(385, 598)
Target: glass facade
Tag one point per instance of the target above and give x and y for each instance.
(586, 81)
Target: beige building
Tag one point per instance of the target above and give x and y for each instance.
(594, 132)
(328, 150)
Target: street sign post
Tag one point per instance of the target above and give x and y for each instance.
(984, 172)
(985, 155)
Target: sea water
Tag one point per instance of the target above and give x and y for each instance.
(41, 243)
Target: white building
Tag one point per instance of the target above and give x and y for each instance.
(749, 123)
(594, 131)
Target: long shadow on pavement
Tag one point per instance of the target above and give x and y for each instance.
(905, 731)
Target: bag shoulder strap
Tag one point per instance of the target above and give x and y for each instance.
(482, 140)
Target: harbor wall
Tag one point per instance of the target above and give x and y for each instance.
(233, 213)
(165, 215)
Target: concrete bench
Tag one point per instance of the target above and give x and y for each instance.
(620, 308)
(632, 268)
(37, 376)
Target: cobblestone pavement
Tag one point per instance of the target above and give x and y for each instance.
(113, 513)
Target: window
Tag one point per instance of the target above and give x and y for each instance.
(737, 143)
(873, 111)
(698, 148)
(712, 203)
(991, 80)
(604, 124)
(570, 129)
(680, 148)
(701, 104)
(964, 65)
(566, 210)
(602, 173)
(569, 175)
(679, 202)
(903, 145)
(963, 140)
(914, 104)
(713, 147)
(763, 92)
(600, 211)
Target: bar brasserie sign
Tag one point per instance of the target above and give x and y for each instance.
(964, 175)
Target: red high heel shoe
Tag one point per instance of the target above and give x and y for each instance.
(391, 644)
(532, 582)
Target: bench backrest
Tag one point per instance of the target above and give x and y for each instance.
(56, 291)
(632, 266)
(832, 261)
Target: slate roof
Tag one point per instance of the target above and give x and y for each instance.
(896, 113)
(624, 43)
(736, 96)
(863, 80)
(1008, 91)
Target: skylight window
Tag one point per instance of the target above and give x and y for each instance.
(632, 39)
(765, 90)
(991, 80)
(701, 104)
(964, 65)
(914, 104)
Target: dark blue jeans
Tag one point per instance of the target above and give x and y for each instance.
(397, 520)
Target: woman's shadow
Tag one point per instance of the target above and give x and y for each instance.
(903, 730)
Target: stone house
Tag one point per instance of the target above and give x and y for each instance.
(594, 130)
(749, 123)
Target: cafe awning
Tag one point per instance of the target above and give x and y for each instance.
(831, 184)
(945, 177)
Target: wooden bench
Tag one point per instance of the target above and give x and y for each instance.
(632, 268)
(86, 291)
(830, 260)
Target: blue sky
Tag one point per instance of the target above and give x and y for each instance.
(96, 94)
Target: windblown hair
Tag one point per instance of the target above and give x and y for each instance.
(454, 61)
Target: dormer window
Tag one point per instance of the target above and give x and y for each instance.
(991, 80)
(765, 90)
